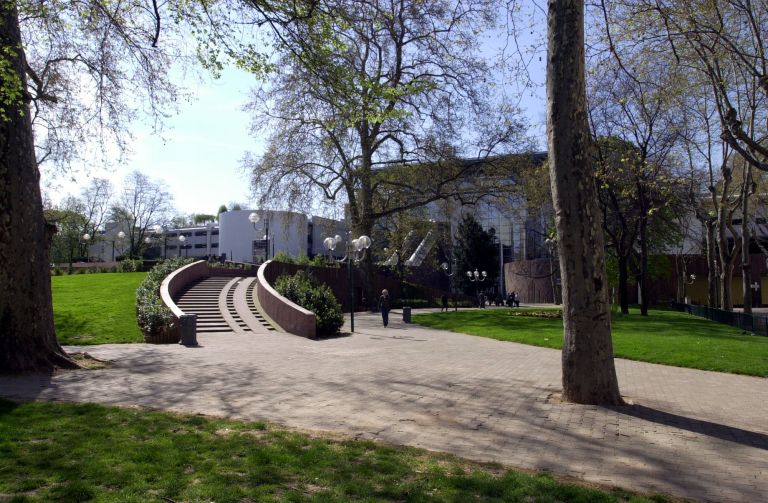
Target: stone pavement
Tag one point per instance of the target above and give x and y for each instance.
(700, 435)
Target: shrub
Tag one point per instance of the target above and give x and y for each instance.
(153, 317)
(282, 256)
(305, 291)
(130, 265)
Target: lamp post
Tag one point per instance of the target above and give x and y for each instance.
(120, 237)
(476, 277)
(685, 283)
(182, 239)
(254, 219)
(755, 287)
(551, 244)
(355, 253)
(86, 239)
(444, 268)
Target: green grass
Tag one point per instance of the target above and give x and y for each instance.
(96, 308)
(63, 452)
(666, 337)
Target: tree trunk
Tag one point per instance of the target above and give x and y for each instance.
(644, 299)
(589, 375)
(746, 268)
(623, 284)
(27, 337)
(712, 299)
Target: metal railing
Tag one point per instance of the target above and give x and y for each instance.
(755, 324)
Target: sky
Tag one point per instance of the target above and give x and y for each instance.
(199, 154)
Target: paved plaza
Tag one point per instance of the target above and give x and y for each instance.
(696, 434)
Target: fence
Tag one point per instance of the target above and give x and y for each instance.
(755, 324)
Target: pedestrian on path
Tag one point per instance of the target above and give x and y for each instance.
(384, 306)
(444, 301)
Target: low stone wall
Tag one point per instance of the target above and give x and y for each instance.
(173, 284)
(289, 316)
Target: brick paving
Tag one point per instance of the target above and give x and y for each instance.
(700, 435)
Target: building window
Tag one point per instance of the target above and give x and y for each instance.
(200, 245)
(171, 247)
(215, 233)
(171, 235)
(201, 233)
(214, 245)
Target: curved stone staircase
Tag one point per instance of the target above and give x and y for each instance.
(223, 304)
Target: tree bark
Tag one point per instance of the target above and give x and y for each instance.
(589, 375)
(712, 299)
(27, 337)
(643, 238)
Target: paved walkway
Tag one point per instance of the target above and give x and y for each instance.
(697, 434)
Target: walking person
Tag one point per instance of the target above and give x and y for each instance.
(444, 301)
(517, 299)
(384, 306)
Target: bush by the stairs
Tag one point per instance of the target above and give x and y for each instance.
(305, 291)
(154, 318)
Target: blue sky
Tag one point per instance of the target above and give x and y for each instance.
(198, 154)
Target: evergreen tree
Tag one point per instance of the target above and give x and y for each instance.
(478, 249)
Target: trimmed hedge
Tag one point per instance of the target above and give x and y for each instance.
(303, 289)
(154, 318)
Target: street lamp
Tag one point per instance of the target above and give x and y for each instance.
(120, 237)
(444, 267)
(685, 283)
(182, 239)
(551, 244)
(355, 253)
(254, 219)
(86, 238)
(476, 277)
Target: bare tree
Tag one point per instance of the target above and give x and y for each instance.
(141, 204)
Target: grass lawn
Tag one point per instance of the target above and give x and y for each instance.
(667, 337)
(64, 452)
(96, 308)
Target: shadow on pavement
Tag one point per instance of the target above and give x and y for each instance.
(723, 432)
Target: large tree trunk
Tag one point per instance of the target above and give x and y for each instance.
(589, 375)
(27, 337)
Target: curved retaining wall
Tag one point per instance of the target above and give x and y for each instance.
(291, 317)
(174, 283)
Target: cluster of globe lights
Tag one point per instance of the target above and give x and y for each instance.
(359, 244)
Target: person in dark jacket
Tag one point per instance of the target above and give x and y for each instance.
(384, 306)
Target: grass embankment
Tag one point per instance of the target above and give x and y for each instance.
(666, 337)
(62, 452)
(96, 308)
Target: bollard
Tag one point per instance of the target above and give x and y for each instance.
(406, 314)
(188, 328)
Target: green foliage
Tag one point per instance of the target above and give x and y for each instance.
(284, 257)
(96, 308)
(304, 290)
(67, 452)
(665, 337)
(130, 265)
(153, 316)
